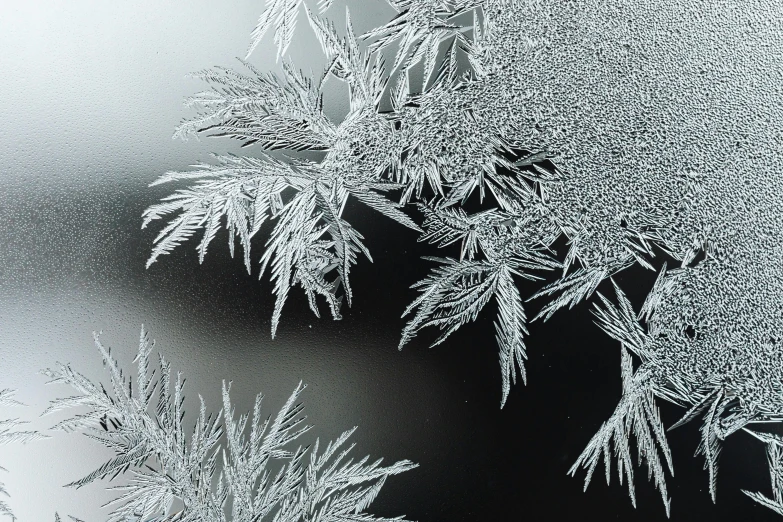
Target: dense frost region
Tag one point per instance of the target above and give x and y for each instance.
(663, 122)
(239, 469)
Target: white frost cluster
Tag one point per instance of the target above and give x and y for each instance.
(245, 469)
(663, 120)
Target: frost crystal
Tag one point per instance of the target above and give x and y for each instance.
(226, 470)
(634, 130)
(8, 435)
(73, 519)
(775, 458)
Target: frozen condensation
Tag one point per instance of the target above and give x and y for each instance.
(255, 473)
(663, 121)
(8, 435)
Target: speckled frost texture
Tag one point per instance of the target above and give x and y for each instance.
(637, 130)
(245, 469)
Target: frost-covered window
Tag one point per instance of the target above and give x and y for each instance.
(544, 154)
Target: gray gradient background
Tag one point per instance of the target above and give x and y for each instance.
(90, 94)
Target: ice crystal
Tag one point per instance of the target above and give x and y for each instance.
(239, 469)
(636, 131)
(310, 240)
(73, 519)
(9, 434)
(775, 458)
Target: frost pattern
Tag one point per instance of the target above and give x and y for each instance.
(73, 519)
(775, 459)
(8, 435)
(224, 471)
(637, 131)
(311, 244)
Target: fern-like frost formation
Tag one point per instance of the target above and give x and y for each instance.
(9, 434)
(636, 131)
(238, 469)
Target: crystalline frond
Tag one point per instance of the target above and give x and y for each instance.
(150, 443)
(574, 288)
(451, 296)
(274, 112)
(420, 28)
(620, 323)
(709, 445)
(366, 78)
(775, 461)
(448, 225)
(245, 191)
(310, 244)
(456, 292)
(510, 327)
(495, 245)
(280, 14)
(637, 415)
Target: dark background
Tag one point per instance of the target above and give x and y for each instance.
(90, 96)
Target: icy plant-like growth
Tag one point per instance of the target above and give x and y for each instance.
(9, 434)
(311, 244)
(368, 154)
(775, 458)
(664, 122)
(244, 469)
(661, 125)
(73, 519)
